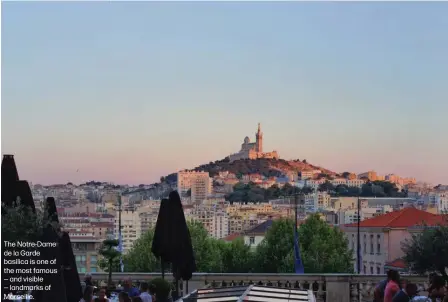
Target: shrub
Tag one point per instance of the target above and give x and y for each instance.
(163, 288)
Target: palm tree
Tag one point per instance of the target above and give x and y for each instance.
(111, 254)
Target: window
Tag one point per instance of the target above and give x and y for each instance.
(378, 248)
(93, 259)
(78, 258)
(251, 240)
(371, 249)
(378, 270)
(93, 269)
(371, 270)
(364, 269)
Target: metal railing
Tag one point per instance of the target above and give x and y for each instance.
(327, 287)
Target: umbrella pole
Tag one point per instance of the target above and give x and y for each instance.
(162, 268)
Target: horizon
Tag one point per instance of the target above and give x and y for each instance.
(129, 92)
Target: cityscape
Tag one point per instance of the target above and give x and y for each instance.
(232, 205)
(305, 141)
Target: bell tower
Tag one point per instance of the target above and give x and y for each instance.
(259, 139)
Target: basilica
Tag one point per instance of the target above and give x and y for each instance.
(253, 150)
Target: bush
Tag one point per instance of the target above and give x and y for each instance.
(163, 288)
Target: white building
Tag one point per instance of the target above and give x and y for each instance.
(316, 201)
(201, 188)
(441, 200)
(215, 221)
(130, 228)
(199, 182)
(255, 236)
(220, 226)
(347, 216)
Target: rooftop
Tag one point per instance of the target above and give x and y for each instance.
(405, 218)
(260, 229)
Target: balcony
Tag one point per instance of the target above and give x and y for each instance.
(327, 287)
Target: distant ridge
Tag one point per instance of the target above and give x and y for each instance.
(265, 167)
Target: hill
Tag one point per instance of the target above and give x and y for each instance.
(266, 167)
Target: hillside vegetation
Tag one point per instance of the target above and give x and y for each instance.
(265, 167)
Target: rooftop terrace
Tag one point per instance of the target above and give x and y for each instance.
(326, 287)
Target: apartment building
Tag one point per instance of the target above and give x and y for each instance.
(370, 175)
(214, 220)
(239, 224)
(86, 250)
(351, 215)
(339, 203)
(441, 201)
(220, 225)
(130, 228)
(186, 179)
(382, 236)
(316, 201)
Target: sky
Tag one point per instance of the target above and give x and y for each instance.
(129, 92)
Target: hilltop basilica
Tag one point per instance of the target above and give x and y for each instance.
(253, 150)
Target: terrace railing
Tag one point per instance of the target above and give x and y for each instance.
(327, 287)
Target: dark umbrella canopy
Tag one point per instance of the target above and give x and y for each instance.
(71, 276)
(12, 188)
(161, 242)
(57, 291)
(67, 258)
(24, 193)
(172, 241)
(9, 178)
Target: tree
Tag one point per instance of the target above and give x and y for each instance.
(31, 224)
(140, 258)
(307, 190)
(426, 251)
(275, 247)
(326, 187)
(237, 256)
(346, 174)
(110, 253)
(324, 248)
(207, 252)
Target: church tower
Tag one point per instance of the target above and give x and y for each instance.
(259, 139)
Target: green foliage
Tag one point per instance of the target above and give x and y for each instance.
(163, 288)
(140, 258)
(206, 250)
(324, 249)
(278, 243)
(326, 187)
(381, 189)
(237, 257)
(20, 223)
(426, 251)
(370, 189)
(252, 193)
(110, 255)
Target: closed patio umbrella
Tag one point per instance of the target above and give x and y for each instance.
(57, 291)
(172, 241)
(183, 260)
(161, 241)
(9, 178)
(70, 273)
